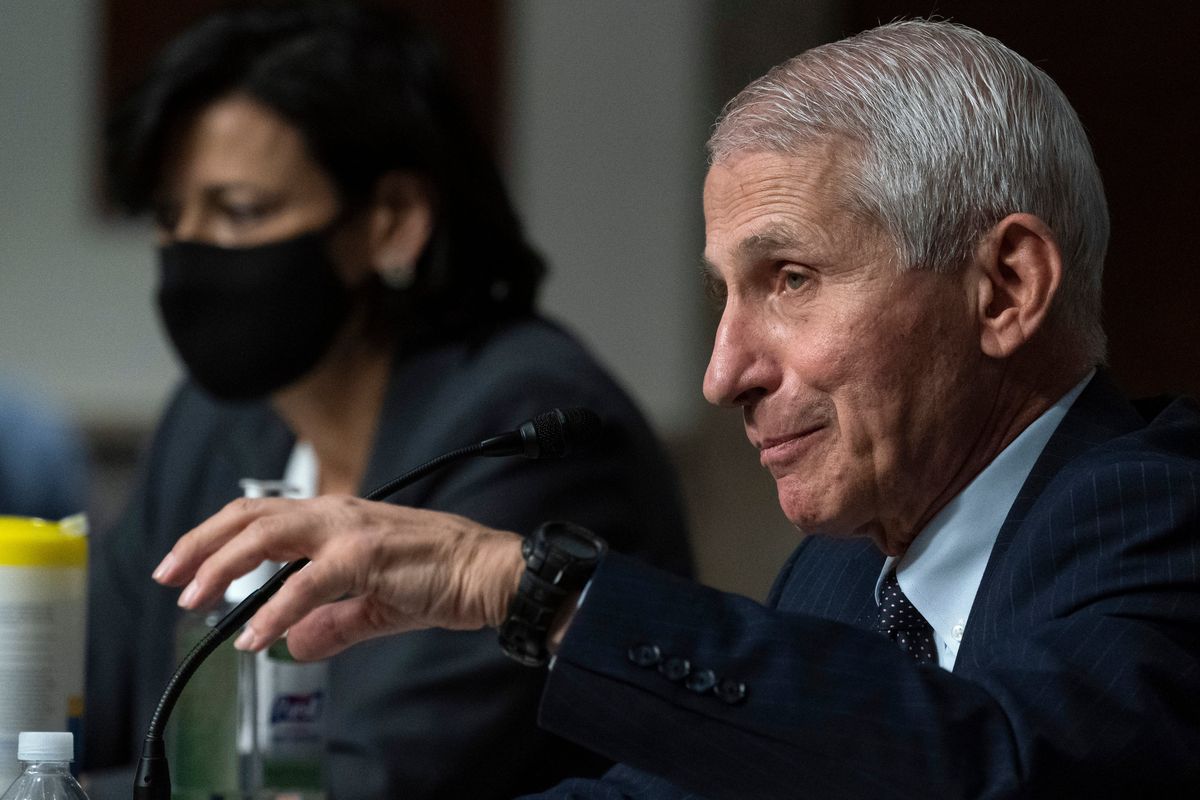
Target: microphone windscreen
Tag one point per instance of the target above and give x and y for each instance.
(566, 431)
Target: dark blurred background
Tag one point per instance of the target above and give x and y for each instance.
(598, 112)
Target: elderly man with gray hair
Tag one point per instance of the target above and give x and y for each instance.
(998, 594)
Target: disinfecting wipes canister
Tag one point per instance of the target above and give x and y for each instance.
(43, 607)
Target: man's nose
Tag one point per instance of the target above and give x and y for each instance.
(741, 368)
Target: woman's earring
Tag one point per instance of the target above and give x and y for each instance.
(397, 276)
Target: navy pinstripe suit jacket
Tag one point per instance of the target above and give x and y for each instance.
(1078, 675)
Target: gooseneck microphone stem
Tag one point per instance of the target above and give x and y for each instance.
(413, 475)
(553, 434)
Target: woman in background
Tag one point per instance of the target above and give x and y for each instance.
(350, 294)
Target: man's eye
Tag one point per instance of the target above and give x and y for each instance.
(794, 280)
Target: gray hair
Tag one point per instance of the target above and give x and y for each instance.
(954, 131)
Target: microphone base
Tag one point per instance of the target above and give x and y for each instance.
(152, 781)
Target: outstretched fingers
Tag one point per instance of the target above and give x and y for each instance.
(374, 569)
(180, 564)
(318, 583)
(330, 629)
(235, 541)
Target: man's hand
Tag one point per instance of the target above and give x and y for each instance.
(375, 569)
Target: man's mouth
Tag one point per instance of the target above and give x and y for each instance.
(775, 451)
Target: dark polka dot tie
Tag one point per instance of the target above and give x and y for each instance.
(900, 621)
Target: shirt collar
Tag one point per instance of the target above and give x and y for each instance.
(941, 571)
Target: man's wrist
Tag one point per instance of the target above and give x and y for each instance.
(503, 569)
(559, 559)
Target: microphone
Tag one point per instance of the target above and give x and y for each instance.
(553, 434)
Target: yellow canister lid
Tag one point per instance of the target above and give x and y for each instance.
(32, 542)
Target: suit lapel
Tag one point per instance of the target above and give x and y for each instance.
(406, 436)
(831, 578)
(256, 445)
(1099, 414)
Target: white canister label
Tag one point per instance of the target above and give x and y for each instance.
(42, 618)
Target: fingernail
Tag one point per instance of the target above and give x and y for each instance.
(247, 640)
(189, 594)
(165, 566)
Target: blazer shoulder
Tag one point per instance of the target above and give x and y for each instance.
(526, 367)
(534, 348)
(1171, 434)
(1168, 444)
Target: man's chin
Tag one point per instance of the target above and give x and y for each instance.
(805, 518)
(812, 518)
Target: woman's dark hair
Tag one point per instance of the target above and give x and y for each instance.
(369, 94)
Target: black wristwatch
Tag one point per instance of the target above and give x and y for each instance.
(560, 557)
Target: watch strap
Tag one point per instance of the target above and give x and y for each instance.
(560, 557)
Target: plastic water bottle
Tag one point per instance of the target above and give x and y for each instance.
(46, 759)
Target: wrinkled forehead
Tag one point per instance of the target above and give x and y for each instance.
(750, 185)
(761, 206)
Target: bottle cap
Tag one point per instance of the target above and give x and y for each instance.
(46, 746)
(254, 487)
(242, 588)
(30, 542)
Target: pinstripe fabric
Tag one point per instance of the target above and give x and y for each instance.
(1077, 675)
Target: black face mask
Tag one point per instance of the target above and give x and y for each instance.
(249, 321)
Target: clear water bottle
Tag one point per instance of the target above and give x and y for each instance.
(46, 759)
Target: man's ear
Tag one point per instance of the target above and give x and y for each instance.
(1018, 272)
(400, 223)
